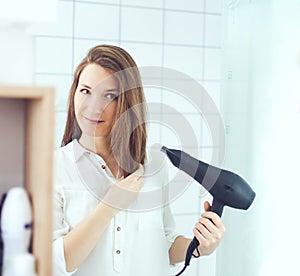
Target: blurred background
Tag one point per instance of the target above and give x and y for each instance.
(245, 53)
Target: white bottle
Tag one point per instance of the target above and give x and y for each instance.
(24, 265)
(16, 221)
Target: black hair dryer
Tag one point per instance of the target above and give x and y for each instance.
(227, 188)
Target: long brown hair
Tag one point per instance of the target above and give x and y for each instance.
(128, 140)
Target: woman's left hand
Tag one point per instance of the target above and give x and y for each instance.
(209, 231)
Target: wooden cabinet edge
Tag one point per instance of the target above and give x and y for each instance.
(38, 171)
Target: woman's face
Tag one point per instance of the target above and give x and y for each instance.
(95, 101)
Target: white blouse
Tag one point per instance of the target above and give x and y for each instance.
(135, 243)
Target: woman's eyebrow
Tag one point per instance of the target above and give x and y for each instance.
(108, 89)
(112, 90)
(85, 85)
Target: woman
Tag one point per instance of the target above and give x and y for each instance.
(99, 226)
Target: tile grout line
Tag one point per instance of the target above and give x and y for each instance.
(147, 7)
(73, 34)
(120, 22)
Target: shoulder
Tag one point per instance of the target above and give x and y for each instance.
(64, 161)
(64, 153)
(156, 165)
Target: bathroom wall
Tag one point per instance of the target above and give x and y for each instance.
(182, 35)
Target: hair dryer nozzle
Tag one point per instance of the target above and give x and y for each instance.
(164, 149)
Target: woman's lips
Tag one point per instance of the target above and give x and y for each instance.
(92, 121)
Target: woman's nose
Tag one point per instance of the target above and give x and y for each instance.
(95, 104)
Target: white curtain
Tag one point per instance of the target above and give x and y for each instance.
(260, 101)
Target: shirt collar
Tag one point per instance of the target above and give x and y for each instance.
(79, 150)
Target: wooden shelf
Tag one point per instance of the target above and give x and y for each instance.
(27, 144)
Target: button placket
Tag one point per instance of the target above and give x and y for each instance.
(118, 242)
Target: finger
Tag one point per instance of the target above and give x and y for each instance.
(132, 187)
(215, 219)
(120, 179)
(141, 167)
(208, 224)
(199, 236)
(137, 173)
(135, 183)
(140, 171)
(203, 230)
(138, 183)
(206, 206)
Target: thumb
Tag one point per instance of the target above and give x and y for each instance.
(206, 206)
(120, 179)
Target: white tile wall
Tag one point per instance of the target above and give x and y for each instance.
(144, 54)
(188, 60)
(139, 24)
(184, 28)
(183, 129)
(144, 3)
(206, 135)
(214, 6)
(169, 136)
(187, 5)
(182, 35)
(64, 24)
(213, 30)
(154, 132)
(210, 139)
(153, 95)
(212, 64)
(53, 55)
(173, 99)
(190, 200)
(96, 21)
(16, 55)
(213, 89)
(112, 2)
(61, 83)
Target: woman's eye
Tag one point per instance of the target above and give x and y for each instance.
(111, 96)
(85, 91)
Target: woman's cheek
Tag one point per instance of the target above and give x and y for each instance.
(77, 103)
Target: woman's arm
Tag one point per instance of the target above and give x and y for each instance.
(178, 249)
(79, 242)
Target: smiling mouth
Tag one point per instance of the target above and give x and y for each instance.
(92, 121)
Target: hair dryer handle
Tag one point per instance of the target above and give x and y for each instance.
(217, 207)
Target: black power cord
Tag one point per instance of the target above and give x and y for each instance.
(189, 253)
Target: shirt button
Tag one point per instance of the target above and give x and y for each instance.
(103, 167)
(118, 252)
(118, 228)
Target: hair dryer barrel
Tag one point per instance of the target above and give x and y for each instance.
(226, 187)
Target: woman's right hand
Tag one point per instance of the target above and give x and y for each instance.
(125, 191)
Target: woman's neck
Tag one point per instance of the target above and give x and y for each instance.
(100, 146)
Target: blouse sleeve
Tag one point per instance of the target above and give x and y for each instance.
(169, 222)
(169, 226)
(60, 228)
